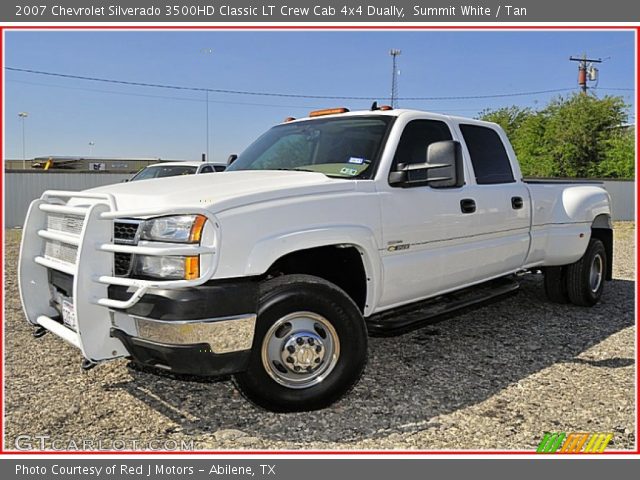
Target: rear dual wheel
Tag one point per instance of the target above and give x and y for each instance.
(582, 282)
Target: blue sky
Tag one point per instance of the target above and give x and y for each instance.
(65, 115)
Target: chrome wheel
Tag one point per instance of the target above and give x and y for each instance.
(595, 273)
(300, 350)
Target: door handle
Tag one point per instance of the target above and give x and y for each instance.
(517, 203)
(468, 205)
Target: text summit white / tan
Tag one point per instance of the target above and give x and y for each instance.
(324, 230)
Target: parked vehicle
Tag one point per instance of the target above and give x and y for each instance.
(324, 230)
(174, 169)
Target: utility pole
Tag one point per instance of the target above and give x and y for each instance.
(394, 52)
(207, 127)
(586, 70)
(207, 51)
(23, 116)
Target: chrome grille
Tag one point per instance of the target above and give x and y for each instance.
(126, 232)
(65, 223)
(122, 264)
(62, 252)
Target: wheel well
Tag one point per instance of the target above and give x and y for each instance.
(602, 230)
(339, 264)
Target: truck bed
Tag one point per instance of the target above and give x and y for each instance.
(562, 181)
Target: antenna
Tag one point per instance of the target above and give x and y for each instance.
(394, 52)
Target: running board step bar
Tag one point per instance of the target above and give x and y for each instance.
(410, 317)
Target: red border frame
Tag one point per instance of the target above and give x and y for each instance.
(320, 28)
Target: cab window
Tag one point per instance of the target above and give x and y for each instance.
(488, 156)
(414, 142)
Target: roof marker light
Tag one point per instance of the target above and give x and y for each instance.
(328, 111)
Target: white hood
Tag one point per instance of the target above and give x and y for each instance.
(221, 191)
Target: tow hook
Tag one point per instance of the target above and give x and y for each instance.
(39, 332)
(87, 364)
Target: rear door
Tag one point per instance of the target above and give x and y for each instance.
(503, 206)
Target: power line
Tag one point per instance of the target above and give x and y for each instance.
(618, 89)
(441, 109)
(165, 97)
(278, 94)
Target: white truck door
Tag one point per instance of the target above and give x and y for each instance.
(426, 237)
(502, 203)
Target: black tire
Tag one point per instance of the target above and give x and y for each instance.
(555, 284)
(269, 386)
(581, 288)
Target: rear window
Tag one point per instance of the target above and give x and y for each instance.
(488, 156)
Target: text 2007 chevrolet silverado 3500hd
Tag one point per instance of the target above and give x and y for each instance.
(324, 229)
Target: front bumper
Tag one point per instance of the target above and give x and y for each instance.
(205, 330)
(169, 329)
(192, 359)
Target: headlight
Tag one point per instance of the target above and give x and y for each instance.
(177, 229)
(169, 268)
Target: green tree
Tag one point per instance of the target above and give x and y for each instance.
(532, 149)
(619, 155)
(509, 118)
(575, 136)
(577, 129)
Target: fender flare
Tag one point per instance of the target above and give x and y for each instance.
(602, 229)
(268, 250)
(582, 204)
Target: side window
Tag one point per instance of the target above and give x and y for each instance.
(219, 168)
(206, 169)
(415, 139)
(488, 156)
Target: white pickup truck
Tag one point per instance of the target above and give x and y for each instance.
(324, 230)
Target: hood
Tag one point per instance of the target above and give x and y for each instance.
(221, 191)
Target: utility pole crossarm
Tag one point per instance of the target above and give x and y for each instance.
(584, 59)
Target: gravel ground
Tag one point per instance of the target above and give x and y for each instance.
(495, 378)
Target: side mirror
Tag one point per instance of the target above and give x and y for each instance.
(443, 167)
(232, 158)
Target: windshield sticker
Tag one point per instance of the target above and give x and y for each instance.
(349, 171)
(356, 160)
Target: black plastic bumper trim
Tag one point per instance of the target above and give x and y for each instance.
(211, 300)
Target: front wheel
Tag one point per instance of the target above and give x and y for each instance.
(585, 278)
(309, 348)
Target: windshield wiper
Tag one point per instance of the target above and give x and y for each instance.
(296, 169)
(313, 171)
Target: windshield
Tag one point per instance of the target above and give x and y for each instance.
(338, 147)
(161, 171)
